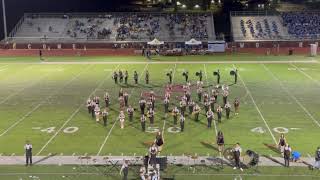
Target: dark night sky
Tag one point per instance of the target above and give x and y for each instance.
(16, 8)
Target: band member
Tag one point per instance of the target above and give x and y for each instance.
(227, 107)
(93, 106)
(96, 100)
(199, 84)
(220, 142)
(183, 106)
(167, 95)
(225, 96)
(130, 113)
(152, 99)
(282, 143)
(169, 74)
(126, 75)
(212, 101)
(236, 106)
(147, 77)
(135, 77)
(205, 96)
(115, 77)
(199, 92)
(142, 104)
(126, 98)
(182, 119)
(159, 141)
(125, 169)
(175, 113)
(97, 113)
(287, 155)
(120, 92)
(107, 99)
(149, 104)
(153, 151)
(196, 112)
(188, 95)
(121, 102)
(150, 115)
(166, 102)
(121, 119)
(219, 113)
(210, 117)
(120, 76)
(28, 152)
(191, 105)
(200, 75)
(89, 105)
(218, 76)
(215, 93)
(206, 106)
(237, 154)
(143, 122)
(105, 116)
(186, 75)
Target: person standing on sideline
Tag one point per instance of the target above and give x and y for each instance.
(282, 143)
(125, 169)
(220, 142)
(237, 154)
(28, 151)
(286, 155)
(317, 158)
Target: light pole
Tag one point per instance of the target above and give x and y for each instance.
(4, 20)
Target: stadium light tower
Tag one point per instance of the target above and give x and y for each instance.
(4, 20)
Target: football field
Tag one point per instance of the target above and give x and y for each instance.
(45, 103)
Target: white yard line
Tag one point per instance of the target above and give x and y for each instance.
(254, 102)
(37, 106)
(205, 73)
(292, 96)
(73, 114)
(305, 74)
(108, 135)
(22, 89)
(172, 62)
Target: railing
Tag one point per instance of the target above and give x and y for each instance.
(16, 27)
(281, 38)
(254, 13)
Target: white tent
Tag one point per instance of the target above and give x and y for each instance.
(155, 42)
(193, 42)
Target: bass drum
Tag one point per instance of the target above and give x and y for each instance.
(228, 154)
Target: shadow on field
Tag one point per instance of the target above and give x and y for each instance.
(45, 158)
(209, 145)
(272, 147)
(273, 160)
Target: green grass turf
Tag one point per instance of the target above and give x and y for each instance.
(43, 96)
(179, 173)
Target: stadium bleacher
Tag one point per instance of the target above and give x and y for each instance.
(258, 28)
(283, 26)
(115, 27)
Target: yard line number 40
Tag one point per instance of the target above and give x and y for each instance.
(67, 130)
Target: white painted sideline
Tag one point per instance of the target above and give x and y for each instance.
(73, 114)
(108, 135)
(36, 107)
(174, 62)
(292, 96)
(205, 72)
(254, 102)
